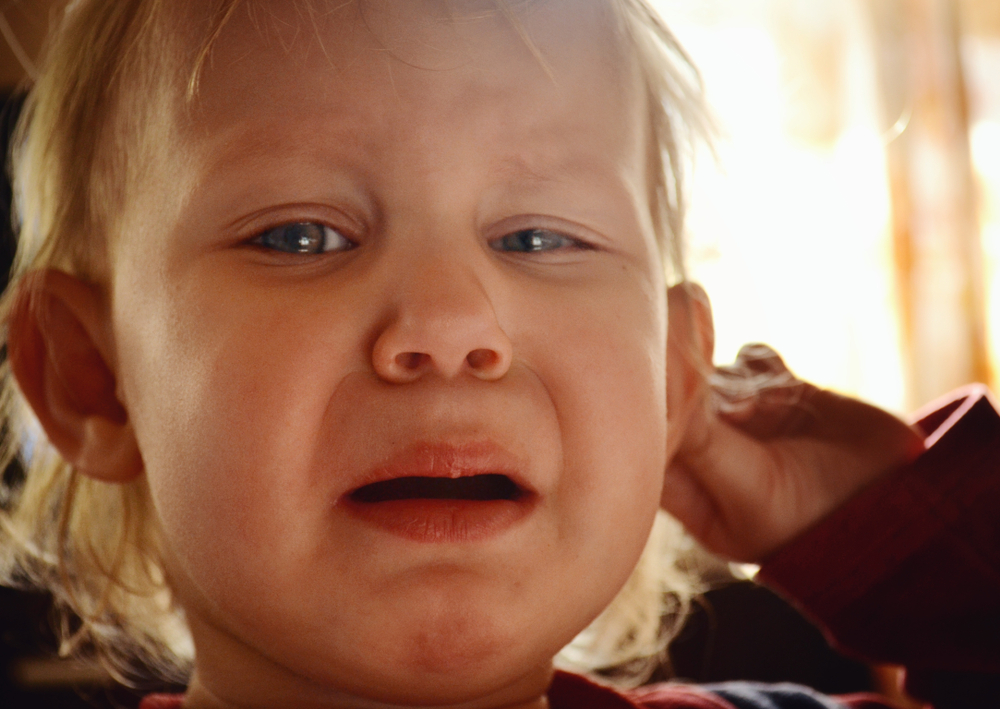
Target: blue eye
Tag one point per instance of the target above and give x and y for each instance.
(533, 241)
(304, 238)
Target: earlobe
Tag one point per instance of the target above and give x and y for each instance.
(60, 353)
(690, 343)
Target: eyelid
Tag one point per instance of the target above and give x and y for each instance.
(254, 225)
(586, 239)
(570, 242)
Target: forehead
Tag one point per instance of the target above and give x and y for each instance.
(426, 35)
(546, 83)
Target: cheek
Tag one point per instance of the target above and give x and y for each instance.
(601, 356)
(614, 427)
(227, 390)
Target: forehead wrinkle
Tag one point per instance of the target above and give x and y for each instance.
(225, 144)
(567, 168)
(246, 145)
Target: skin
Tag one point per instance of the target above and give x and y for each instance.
(253, 388)
(261, 386)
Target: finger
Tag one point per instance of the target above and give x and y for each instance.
(757, 368)
(719, 488)
(760, 396)
(773, 413)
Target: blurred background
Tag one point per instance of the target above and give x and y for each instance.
(849, 217)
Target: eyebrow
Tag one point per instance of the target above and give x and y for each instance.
(567, 167)
(544, 160)
(524, 164)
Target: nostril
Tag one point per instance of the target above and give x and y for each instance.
(483, 359)
(411, 360)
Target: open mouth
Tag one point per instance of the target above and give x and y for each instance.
(431, 509)
(477, 488)
(445, 493)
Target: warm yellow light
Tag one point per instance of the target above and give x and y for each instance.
(790, 237)
(984, 140)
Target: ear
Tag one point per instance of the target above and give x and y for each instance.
(690, 342)
(59, 346)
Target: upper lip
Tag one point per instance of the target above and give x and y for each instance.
(447, 460)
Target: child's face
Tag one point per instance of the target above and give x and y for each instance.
(490, 300)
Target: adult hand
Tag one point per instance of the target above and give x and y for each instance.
(764, 455)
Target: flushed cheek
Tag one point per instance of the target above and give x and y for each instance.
(602, 365)
(602, 357)
(232, 393)
(603, 353)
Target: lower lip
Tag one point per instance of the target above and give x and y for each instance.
(443, 521)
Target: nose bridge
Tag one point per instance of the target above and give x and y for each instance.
(444, 308)
(436, 284)
(443, 319)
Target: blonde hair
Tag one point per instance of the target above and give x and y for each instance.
(111, 71)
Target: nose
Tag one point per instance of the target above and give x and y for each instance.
(442, 322)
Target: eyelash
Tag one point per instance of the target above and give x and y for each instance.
(313, 238)
(533, 240)
(307, 238)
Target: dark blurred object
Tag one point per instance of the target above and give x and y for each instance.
(32, 677)
(8, 120)
(743, 631)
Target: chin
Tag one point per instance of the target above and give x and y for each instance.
(463, 662)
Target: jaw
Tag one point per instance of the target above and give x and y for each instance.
(448, 663)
